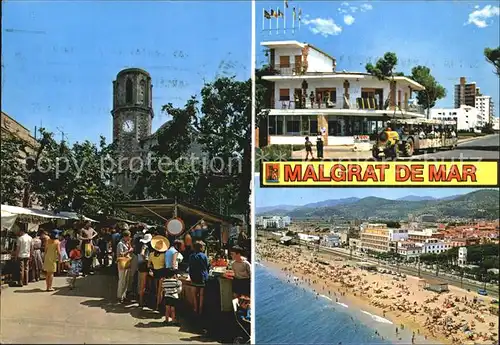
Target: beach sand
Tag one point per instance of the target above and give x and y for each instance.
(441, 318)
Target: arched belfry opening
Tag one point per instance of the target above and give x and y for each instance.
(128, 91)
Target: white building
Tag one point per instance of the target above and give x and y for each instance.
(496, 124)
(467, 118)
(310, 96)
(462, 256)
(276, 222)
(398, 235)
(484, 104)
(409, 250)
(435, 246)
(331, 240)
(421, 235)
(309, 238)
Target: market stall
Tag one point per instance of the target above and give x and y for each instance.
(190, 222)
(13, 219)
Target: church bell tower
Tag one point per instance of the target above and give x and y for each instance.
(132, 115)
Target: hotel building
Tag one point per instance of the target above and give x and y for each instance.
(310, 96)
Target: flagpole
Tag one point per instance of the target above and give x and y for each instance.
(263, 19)
(293, 21)
(271, 25)
(284, 16)
(278, 21)
(300, 17)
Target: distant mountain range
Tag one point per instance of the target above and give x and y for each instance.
(479, 204)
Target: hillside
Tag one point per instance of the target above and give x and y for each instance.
(479, 204)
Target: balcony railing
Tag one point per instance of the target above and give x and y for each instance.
(360, 104)
(290, 69)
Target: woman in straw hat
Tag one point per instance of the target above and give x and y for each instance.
(160, 245)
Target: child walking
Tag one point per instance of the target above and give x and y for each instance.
(171, 289)
(76, 265)
(309, 150)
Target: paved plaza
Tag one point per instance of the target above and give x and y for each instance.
(88, 314)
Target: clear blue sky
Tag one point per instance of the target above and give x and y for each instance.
(265, 197)
(60, 57)
(447, 36)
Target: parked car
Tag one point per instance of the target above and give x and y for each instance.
(482, 292)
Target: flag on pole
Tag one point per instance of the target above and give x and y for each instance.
(284, 16)
(277, 14)
(300, 16)
(272, 13)
(267, 15)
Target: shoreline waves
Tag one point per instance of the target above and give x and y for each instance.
(383, 300)
(369, 328)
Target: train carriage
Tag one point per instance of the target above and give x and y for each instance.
(407, 137)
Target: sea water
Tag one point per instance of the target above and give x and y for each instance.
(291, 313)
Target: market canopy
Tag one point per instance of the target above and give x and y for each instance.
(75, 216)
(8, 220)
(165, 209)
(29, 215)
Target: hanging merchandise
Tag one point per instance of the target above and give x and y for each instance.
(199, 228)
(175, 226)
(225, 235)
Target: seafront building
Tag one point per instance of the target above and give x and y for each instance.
(310, 95)
(380, 238)
(486, 108)
(465, 93)
(467, 118)
(276, 222)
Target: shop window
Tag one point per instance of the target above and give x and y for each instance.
(284, 94)
(334, 127)
(292, 125)
(304, 127)
(313, 124)
(280, 123)
(272, 125)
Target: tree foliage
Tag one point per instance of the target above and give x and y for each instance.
(218, 178)
(168, 173)
(13, 172)
(384, 67)
(433, 90)
(60, 177)
(492, 55)
(226, 135)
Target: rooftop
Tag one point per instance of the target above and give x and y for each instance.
(344, 75)
(293, 44)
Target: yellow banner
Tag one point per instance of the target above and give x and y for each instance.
(401, 174)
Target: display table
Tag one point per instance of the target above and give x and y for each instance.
(218, 294)
(218, 315)
(6, 269)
